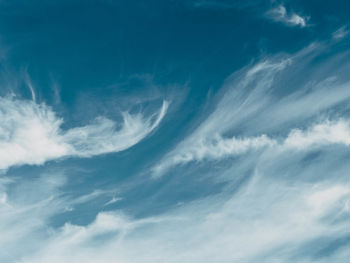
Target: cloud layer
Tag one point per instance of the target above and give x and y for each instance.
(288, 224)
(281, 128)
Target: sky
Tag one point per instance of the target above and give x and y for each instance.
(174, 131)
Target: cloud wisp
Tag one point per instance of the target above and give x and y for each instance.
(280, 14)
(31, 133)
(340, 33)
(218, 148)
(252, 113)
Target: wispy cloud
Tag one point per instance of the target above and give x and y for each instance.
(31, 133)
(340, 33)
(219, 225)
(29, 84)
(93, 195)
(113, 201)
(320, 134)
(294, 205)
(287, 219)
(218, 148)
(251, 112)
(280, 14)
(291, 201)
(28, 206)
(260, 175)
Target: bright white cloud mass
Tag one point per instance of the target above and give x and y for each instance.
(254, 169)
(31, 133)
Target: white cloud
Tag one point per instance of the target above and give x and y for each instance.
(93, 195)
(103, 136)
(280, 14)
(29, 204)
(224, 229)
(292, 208)
(323, 199)
(340, 33)
(113, 201)
(265, 221)
(214, 149)
(29, 84)
(244, 98)
(31, 133)
(250, 110)
(320, 134)
(217, 148)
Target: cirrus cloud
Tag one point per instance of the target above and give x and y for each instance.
(31, 133)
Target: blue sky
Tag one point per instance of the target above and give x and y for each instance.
(174, 131)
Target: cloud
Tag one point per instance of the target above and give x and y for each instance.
(28, 206)
(267, 220)
(218, 148)
(29, 84)
(93, 195)
(248, 115)
(320, 134)
(280, 14)
(288, 202)
(102, 136)
(113, 200)
(223, 228)
(340, 33)
(324, 199)
(31, 133)
(243, 98)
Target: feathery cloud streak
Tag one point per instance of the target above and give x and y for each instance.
(31, 133)
(280, 14)
(251, 112)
